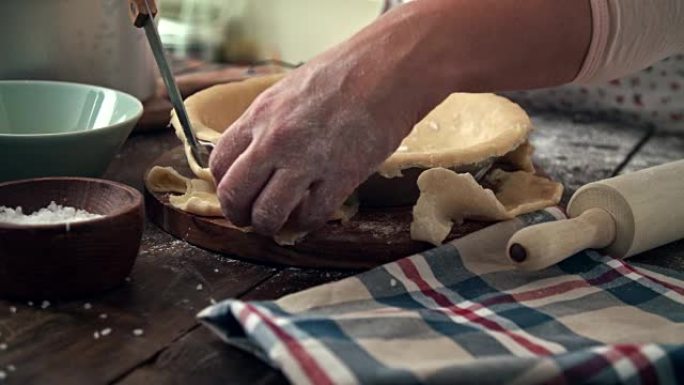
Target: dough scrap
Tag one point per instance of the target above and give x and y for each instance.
(447, 198)
(166, 179)
(197, 196)
(464, 129)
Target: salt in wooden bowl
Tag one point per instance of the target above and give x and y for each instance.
(66, 261)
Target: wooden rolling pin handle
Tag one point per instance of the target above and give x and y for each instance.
(138, 11)
(540, 246)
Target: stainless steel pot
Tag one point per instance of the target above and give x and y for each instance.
(85, 41)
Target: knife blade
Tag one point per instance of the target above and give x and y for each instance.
(143, 14)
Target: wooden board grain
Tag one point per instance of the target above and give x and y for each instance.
(371, 238)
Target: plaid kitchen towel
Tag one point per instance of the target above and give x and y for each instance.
(458, 314)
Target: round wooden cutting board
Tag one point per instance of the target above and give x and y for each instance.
(372, 237)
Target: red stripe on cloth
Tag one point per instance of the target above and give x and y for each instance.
(644, 366)
(600, 360)
(413, 274)
(549, 291)
(539, 293)
(309, 366)
(671, 286)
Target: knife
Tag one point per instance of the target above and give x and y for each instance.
(142, 14)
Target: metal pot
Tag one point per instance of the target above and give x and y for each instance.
(85, 41)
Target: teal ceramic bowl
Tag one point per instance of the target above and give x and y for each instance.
(61, 129)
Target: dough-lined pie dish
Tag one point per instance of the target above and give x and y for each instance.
(469, 158)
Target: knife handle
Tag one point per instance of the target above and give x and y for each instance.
(540, 246)
(139, 11)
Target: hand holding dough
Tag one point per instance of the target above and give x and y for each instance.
(299, 151)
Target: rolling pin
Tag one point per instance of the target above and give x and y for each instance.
(621, 216)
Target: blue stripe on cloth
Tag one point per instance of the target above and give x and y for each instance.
(219, 318)
(643, 293)
(585, 367)
(338, 343)
(522, 317)
(481, 371)
(467, 336)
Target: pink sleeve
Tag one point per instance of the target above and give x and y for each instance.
(630, 35)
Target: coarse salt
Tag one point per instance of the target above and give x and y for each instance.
(45, 305)
(3, 375)
(199, 286)
(137, 332)
(11, 368)
(105, 331)
(13, 309)
(52, 214)
(87, 306)
(3, 346)
(103, 315)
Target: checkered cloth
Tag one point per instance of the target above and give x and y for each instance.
(457, 314)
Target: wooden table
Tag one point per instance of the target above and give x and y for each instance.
(173, 280)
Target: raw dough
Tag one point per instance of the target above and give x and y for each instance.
(463, 129)
(447, 198)
(213, 110)
(197, 195)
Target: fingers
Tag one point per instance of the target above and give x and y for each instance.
(277, 200)
(241, 185)
(230, 146)
(318, 206)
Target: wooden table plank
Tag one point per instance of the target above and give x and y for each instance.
(171, 282)
(660, 148)
(576, 150)
(201, 359)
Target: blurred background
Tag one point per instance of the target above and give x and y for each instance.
(94, 41)
(252, 30)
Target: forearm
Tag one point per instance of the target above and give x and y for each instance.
(427, 49)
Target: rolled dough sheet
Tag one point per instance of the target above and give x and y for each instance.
(447, 198)
(464, 129)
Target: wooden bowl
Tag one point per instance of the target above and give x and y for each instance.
(59, 261)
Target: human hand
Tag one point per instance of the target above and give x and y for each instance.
(305, 144)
